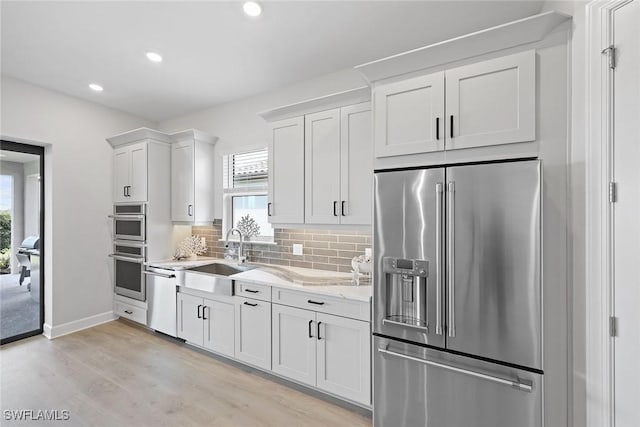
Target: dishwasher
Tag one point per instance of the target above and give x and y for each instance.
(161, 300)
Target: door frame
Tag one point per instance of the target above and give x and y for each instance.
(599, 215)
(40, 151)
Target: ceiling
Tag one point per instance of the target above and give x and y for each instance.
(212, 52)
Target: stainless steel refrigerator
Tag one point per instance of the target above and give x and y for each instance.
(457, 298)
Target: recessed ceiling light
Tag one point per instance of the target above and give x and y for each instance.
(252, 8)
(96, 87)
(154, 57)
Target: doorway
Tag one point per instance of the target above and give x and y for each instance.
(21, 241)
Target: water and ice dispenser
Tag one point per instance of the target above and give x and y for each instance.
(406, 288)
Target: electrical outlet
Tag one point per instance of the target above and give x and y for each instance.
(367, 251)
(297, 249)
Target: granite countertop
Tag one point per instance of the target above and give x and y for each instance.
(303, 279)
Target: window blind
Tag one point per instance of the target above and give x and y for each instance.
(246, 170)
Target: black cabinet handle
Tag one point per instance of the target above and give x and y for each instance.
(451, 126)
(124, 191)
(335, 205)
(269, 209)
(199, 315)
(437, 128)
(128, 311)
(190, 210)
(204, 307)
(249, 304)
(310, 322)
(310, 301)
(252, 291)
(342, 208)
(318, 333)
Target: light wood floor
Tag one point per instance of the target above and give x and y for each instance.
(119, 375)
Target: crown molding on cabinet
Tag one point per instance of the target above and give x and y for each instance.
(516, 33)
(327, 102)
(138, 135)
(146, 133)
(193, 134)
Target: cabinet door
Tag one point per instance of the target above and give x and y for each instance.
(253, 332)
(492, 102)
(190, 324)
(286, 172)
(121, 170)
(219, 319)
(138, 173)
(294, 343)
(356, 164)
(409, 116)
(182, 181)
(322, 167)
(344, 364)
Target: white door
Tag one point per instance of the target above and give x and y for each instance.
(219, 331)
(294, 343)
(356, 163)
(491, 102)
(121, 168)
(409, 116)
(626, 123)
(286, 172)
(190, 324)
(344, 357)
(322, 167)
(253, 332)
(182, 181)
(138, 173)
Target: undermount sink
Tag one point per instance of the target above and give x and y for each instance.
(213, 278)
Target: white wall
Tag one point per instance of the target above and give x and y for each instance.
(577, 178)
(78, 175)
(239, 127)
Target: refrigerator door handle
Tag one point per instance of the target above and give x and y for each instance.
(439, 193)
(520, 385)
(451, 324)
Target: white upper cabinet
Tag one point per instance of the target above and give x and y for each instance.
(356, 164)
(491, 102)
(486, 103)
(339, 166)
(409, 115)
(192, 177)
(130, 173)
(286, 172)
(182, 181)
(322, 167)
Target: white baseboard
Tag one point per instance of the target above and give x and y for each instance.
(77, 325)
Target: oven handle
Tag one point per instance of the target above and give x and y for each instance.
(517, 384)
(127, 258)
(153, 273)
(126, 216)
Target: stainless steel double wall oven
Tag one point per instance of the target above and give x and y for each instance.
(457, 296)
(129, 250)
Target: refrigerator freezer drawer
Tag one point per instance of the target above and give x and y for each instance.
(417, 386)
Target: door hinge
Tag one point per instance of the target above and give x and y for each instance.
(613, 326)
(613, 192)
(611, 53)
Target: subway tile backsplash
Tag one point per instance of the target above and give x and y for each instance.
(330, 250)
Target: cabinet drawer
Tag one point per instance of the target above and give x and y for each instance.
(131, 312)
(250, 290)
(324, 304)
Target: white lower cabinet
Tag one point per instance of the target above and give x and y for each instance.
(253, 332)
(207, 323)
(329, 352)
(294, 343)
